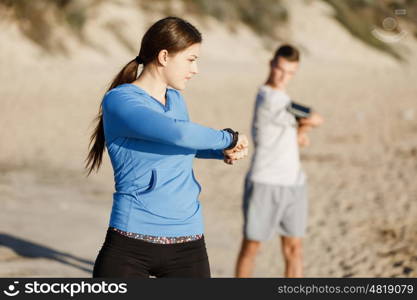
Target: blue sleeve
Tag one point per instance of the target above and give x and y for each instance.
(125, 116)
(208, 153)
(214, 154)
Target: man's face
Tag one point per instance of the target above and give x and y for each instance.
(283, 71)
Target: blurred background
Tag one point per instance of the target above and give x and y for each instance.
(358, 69)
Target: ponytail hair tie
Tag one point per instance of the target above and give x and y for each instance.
(138, 60)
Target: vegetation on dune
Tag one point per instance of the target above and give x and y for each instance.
(38, 18)
(262, 16)
(363, 17)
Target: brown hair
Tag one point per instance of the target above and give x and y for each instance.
(172, 34)
(288, 52)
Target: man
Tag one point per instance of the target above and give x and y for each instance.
(275, 196)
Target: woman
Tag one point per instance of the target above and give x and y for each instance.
(156, 225)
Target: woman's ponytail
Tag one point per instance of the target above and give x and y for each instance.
(128, 74)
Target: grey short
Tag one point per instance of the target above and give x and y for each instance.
(274, 209)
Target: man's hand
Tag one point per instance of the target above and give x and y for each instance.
(240, 151)
(303, 139)
(313, 120)
(305, 125)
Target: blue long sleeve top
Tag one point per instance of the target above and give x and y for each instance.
(151, 148)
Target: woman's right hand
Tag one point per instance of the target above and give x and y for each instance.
(240, 151)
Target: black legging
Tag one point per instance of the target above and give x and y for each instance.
(122, 256)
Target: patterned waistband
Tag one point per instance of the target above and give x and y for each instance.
(158, 239)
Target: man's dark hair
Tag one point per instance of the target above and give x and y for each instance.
(288, 52)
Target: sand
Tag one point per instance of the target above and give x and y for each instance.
(361, 165)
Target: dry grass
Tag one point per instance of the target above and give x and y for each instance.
(261, 16)
(360, 16)
(38, 19)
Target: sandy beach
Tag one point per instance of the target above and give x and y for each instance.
(361, 165)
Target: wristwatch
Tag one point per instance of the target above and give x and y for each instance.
(235, 135)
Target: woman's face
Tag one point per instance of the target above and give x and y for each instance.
(182, 66)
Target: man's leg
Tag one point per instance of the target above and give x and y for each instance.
(292, 250)
(246, 259)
